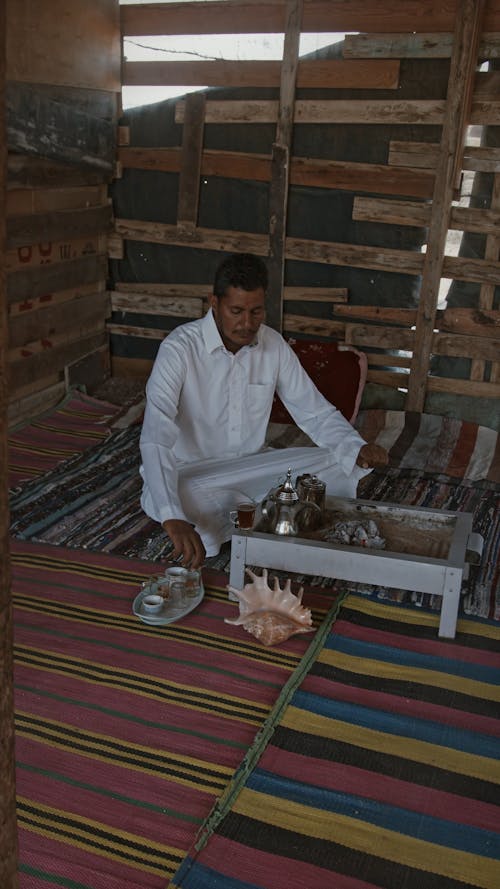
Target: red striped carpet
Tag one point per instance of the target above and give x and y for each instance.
(383, 771)
(127, 734)
(75, 424)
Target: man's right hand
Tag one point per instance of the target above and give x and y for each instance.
(187, 542)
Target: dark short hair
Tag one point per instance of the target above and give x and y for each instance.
(242, 270)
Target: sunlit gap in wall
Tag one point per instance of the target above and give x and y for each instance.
(231, 47)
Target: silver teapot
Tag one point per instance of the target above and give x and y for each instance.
(284, 513)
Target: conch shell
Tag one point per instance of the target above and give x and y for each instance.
(272, 615)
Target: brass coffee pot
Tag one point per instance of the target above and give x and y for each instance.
(284, 512)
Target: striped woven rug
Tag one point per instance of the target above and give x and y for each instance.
(382, 771)
(127, 734)
(76, 424)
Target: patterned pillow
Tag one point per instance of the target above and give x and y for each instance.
(339, 372)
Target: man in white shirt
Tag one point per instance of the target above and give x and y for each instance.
(209, 400)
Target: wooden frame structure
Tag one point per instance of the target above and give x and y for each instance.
(417, 186)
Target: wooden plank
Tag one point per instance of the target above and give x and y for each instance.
(36, 281)
(412, 46)
(475, 347)
(174, 291)
(25, 171)
(49, 322)
(33, 304)
(46, 252)
(321, 327)
(149, 333)
(316, 294)
(22, 201)
(317, 73)
(192, 147)
(8, 832)
(471, 322)
(27, 370)
(381, 337)
(410, 213)
(395, 111)
(487, 292)
(386, 314)
(464, 387)
(149, 304)
(39, 123)
(48, 345)
(425, 155)
(280, 165)
(313, 172)
(358, 256)
(42, 227)
(465, 44)
(22, 409)
(462, 268)
(243, 16)
(70, 44)
(388, 360)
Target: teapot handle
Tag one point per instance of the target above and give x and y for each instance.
(263, 506)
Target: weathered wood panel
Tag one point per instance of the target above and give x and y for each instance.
(331, 73)
(303, 171)
(43, 227)
(68, 44)
(237, 16)
(50, 321)
(36, 281)
(411, 45)
(43, 363)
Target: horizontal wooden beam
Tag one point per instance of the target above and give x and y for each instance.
(346, 111)
(467, 321)
(49, 361)
(412, 46)
(317, 73)
(26, 171)
(26, 283)
(39, 228)
(49, 322)
(467, 219)
(249, 16)
(150, 304)
(310, 172)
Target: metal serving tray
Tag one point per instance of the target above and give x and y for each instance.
(426, 550)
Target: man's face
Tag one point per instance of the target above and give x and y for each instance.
(238, 315)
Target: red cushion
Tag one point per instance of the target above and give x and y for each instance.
(339, 372)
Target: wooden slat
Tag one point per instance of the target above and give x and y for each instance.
(174, 291)
(148, 333)
(22, 201)
(42, 227)
(474, 347)
(27, 283)
(380, 337)
(192, 147)
(395, 111)
(316, 294)
(464, 48)
(318, 73)
(425, 155)
(386, 314)
(466, 321)
(411, 45)
(482, 271)
(34, 303)
(321, 327)
(280, 165)
(436, 384)
(467, 219)
(44, 363)
(245, 16)
(25, 171)
(48, 322)
(25, 408)
(487, 292)
(149, 304)
(313, 172)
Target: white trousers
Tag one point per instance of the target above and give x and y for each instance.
(210, 489)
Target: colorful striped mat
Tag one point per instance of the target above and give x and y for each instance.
(383, 771)
(127, 734)
(76, 424)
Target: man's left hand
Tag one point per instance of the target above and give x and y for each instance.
(372, 455)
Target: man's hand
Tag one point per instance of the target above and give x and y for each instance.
(187, 542)
(372, 455)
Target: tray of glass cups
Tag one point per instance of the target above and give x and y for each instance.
(165, 598)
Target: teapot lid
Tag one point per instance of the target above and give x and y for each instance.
(287, 493)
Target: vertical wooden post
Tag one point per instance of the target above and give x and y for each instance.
(192, 149)
(462, 71)
(280, 165)
(487, 292)
(8, 825)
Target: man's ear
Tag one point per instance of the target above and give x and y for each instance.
(213, 301)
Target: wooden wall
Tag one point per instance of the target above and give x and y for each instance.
(62, 93)
(417, 184)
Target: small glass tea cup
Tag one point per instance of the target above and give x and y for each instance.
(244, 515)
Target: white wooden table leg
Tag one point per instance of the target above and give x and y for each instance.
(452, 588)
(237, 565)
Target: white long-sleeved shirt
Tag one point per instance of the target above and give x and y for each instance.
(206, 402)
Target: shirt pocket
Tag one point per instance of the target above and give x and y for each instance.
(260, 399)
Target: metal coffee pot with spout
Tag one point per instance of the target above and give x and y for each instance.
(284, 512)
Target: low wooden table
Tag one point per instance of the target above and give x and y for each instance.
(426, 550)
